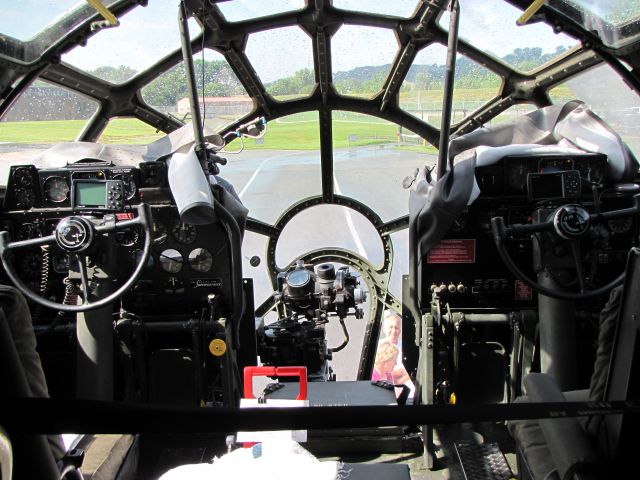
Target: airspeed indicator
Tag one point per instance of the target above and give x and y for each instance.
(200, 260)
(184, 233)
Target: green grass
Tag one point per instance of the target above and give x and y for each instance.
(295, 132)
(119, 130)
(129, 130)
(52, 131)
(348, 131)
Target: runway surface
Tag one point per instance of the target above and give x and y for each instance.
(269, 182)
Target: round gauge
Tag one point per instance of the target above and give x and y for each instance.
(32, 265)
(200, 260)
(25, 198)
(137, 256)
(130, 187)
(620, 225)
(159, 232)
(547, 165)
(127, 237)
(299, 277)
(173, 285)
(184, 233)
(153, 174)
(61, 263)
(23, 177)
(29, 230)
(56, 189)
(171, 260)
(517, 176)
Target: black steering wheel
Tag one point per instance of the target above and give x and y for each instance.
(570, 222)
(75, 235)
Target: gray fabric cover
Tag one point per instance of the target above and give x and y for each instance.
(572, 127)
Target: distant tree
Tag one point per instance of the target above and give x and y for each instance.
(422, 81)
(118, 74)
(171, 86)
(300, 83)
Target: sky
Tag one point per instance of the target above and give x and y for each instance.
(147, 34)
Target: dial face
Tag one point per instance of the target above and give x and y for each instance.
(173, 285)
(159, 232)
(153, 175)
(200, 260)
(32, 265)
(23, 177)
(517, 176)
(61, 263)
(130, 187)
(298, 277)
(29, 230)
(137, 257)
(127, 237)
(56, 189)
(184, 233)
(171, 260)
(620, 225)
(25, 198)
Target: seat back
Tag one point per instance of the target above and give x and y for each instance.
(623, 379)
(14, 383)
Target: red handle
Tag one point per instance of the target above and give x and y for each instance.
(250, 372)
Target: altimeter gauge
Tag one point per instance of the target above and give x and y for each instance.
(200, 260)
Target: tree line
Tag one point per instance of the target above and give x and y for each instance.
(219, 80)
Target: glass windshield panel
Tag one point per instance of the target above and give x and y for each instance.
(239, 10)
(397, 8)
(326, 226)
(614, 21)
(422, 91)
(278, 169)
(127, 130)
(289, 79)
(511, 113)
(524, 48)
(372, 157)
(40, 14)
(110, 55)
(361, 59)
(45, 114)
(43, 28)
(224, 99)
(608, 96)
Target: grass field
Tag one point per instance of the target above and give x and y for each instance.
(296, 132)
(119, 130)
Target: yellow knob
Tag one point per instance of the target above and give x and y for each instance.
(217, 347)
(453, 399)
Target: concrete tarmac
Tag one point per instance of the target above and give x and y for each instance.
(269, 182)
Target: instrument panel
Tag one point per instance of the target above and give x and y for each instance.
(512, 175)
(31, 188)
(466, 266)
(186, 264)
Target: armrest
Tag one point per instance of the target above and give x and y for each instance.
(569, 444)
